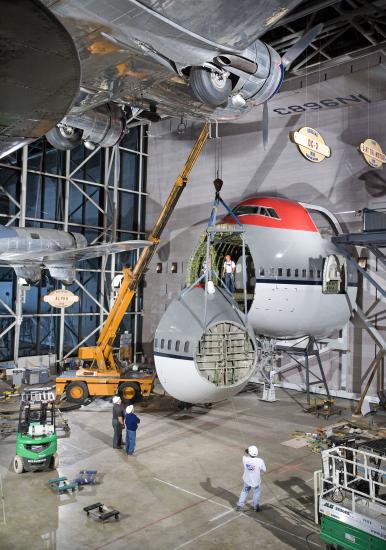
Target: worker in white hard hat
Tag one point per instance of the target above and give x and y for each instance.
(253, 466)
(131, 422)
(117, 421)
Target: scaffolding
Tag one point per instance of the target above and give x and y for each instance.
(93, 192)
(372, 237)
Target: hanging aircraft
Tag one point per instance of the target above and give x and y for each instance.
(297, 285)
(78, 71)
(28, 250)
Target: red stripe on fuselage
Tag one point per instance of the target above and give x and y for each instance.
(292, 215)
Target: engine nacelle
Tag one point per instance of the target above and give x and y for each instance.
(65, 274)
(259, 71)
(204, 362)
(104, 126)
(80, 240)
(32, 274)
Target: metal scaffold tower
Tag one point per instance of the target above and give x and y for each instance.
(75, 191)
(372, 237)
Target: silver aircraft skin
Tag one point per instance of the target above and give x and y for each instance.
(28, 250)
(199, 59)
(301, 286)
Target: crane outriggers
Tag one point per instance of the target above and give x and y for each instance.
(100, 374)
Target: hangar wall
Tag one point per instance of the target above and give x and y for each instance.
(344, 184)
(100, 194)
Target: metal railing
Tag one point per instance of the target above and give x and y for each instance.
(351, 477)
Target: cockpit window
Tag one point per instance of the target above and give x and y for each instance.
(273, 213)
(250, 210)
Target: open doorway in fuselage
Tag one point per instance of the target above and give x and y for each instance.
(334, 275)
(224, 244)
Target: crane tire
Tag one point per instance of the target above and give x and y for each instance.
(129, 392)
(77, 392)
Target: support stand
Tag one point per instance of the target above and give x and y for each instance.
(311, 350)
(269, 393)
(373, 237)
(267, 369)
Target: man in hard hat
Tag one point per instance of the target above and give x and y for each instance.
(253, 466)
(118, 414)
(131, 422)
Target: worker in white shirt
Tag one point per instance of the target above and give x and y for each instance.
(228, 273)
(253, 467)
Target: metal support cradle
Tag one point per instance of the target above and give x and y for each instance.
(311, 350)
(373, 237)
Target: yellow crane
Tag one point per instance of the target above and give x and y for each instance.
(104, 377)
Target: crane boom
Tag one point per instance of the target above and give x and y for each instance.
(102, 353)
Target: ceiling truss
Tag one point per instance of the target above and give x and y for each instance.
(350, 28)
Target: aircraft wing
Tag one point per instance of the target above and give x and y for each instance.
(224, 22)
(73, 254)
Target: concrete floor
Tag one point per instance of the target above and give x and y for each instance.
(180, 488)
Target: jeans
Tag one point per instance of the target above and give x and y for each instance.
(229, 282)
(117, 439)
(130, 441)
(244, 493)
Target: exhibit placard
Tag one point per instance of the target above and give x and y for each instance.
(61, 298)
(372, 153)
(310, 144)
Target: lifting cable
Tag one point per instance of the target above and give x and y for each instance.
(210, 232)
(208, 273)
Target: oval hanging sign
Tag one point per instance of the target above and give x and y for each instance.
(311, 144)
(61, 298)
(372, 153)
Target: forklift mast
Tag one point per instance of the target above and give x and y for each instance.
(102, 353)
(37, 406)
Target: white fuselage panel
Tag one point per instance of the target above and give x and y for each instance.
(182, 380)
(285, 310)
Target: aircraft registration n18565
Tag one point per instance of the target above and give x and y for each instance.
(79, 70)
(28, 250)
(298, 285)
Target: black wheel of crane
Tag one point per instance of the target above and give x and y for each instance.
(129, 392)
(77, 392)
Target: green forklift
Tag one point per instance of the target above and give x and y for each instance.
(36, 440)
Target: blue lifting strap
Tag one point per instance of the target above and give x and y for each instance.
(213, 214)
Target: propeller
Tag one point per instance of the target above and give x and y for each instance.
(299, 46)
(286, 61)
(265, 124)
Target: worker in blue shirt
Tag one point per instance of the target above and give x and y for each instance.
(131, 423)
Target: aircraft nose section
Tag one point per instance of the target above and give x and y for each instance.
(203, 351)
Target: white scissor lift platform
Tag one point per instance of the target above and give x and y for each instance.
(350, 497)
